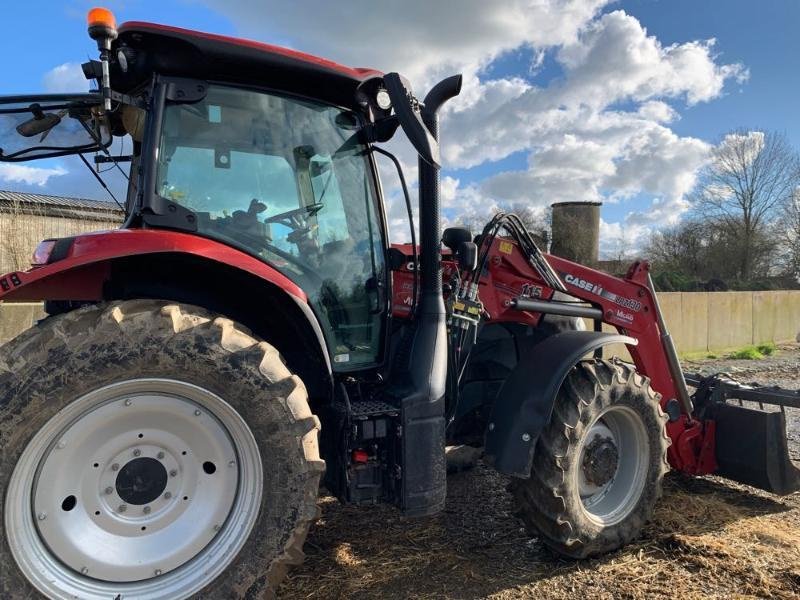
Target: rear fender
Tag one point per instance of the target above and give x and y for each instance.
(79, 266)
(169, 265)
(525, 402)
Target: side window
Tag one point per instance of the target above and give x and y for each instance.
(267, 173)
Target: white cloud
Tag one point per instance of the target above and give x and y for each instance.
(657, 111)
(23, 174)
(616, 60)
(65, 78)
(421, 38)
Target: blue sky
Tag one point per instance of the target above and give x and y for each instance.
(751, 62)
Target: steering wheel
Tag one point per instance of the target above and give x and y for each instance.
(296, 218)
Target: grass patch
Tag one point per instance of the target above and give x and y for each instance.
(767, 349)
(747, 353)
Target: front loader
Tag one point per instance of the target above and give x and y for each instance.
(249, 333)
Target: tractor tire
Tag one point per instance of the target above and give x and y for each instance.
(151, 450)
(598, 464)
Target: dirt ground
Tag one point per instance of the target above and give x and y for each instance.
(709, 538)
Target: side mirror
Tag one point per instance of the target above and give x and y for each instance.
(467, 256)
(407, 109)
(453, 237)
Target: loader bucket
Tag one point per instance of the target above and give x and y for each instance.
(752, 448)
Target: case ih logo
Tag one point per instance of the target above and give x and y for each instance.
(583, 284)
(598, 290)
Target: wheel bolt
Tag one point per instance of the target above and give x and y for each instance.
(84, 570)
(197, 413)
(173, 473)
(167, 495)
(158, 572)
(526, 437)
(232, 463)
(115, 467)
(160, 455)
(146, 510)
(217, 527)
(137, 452)
(61, 445)
(128, 402)
(122, 508)
(109, 490)
(41, 516)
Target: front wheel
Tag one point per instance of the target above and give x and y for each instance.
(598, 464)
(151, 450)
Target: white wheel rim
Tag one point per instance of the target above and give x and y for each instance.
(146, 488)
(610, 491)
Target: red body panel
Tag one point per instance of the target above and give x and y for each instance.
(628, 306)
(81, 274)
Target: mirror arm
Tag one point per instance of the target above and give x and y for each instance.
(129, 100)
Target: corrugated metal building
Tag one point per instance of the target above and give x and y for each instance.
(26, 219)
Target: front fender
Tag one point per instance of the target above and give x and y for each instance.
(525, 402)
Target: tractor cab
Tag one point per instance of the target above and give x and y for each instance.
(257, 149)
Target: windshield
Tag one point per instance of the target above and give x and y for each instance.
(262, 172)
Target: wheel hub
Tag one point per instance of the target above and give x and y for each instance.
(612, 465)
(600, 461)
(141, 481)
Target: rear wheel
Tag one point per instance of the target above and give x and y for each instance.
(598, 464)
(151, 450)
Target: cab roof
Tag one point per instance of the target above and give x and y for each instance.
(186, 53)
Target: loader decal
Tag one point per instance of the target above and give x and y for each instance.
(598, 290)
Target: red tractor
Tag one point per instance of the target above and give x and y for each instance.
(249, 333)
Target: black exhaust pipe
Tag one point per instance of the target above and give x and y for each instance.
(423, 406)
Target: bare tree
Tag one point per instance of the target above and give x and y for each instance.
(751, 176)
(791, 222)
(536, 221)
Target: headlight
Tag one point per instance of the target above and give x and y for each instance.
(383, 100)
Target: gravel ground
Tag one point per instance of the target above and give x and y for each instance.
(709, 538)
